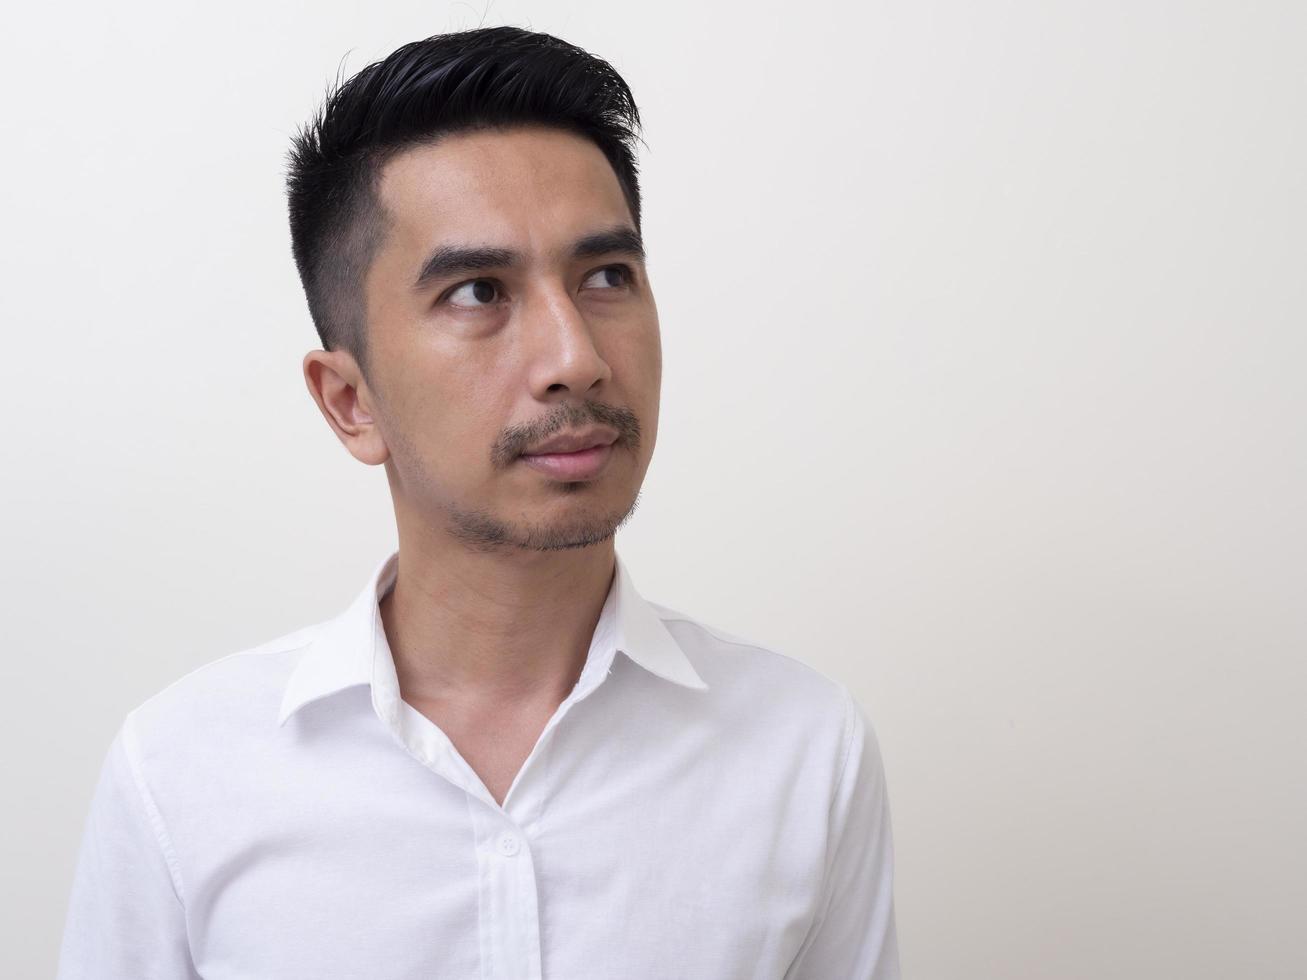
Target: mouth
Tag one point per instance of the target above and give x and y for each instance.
(584, 464)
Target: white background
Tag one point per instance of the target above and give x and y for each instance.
(983, 392)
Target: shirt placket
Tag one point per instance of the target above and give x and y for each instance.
(508, 897)
(507, 909)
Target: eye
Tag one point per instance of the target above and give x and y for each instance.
(484, 290)
(623, 275)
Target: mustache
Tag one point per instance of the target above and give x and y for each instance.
(569, 416)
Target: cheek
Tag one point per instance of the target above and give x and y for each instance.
(653, 367)
(643, 387)
(429, 427)
(642, 354)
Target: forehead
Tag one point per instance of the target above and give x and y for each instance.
(530, 187)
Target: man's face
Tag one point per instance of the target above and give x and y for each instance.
(471, 366)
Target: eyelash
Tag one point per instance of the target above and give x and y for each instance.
(627, 272)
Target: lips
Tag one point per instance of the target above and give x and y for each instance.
(572, 442)
(584, 464)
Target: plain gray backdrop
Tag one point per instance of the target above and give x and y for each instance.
(983, 331)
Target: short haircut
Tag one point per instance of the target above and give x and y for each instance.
(484, 78)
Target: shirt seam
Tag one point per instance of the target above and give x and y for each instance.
(831, 845)
(301, 638)
(153, 816)
(747, 644)
(724, 639)
(849, 728)
(819, 920)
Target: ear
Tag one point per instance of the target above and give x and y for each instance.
(342, 395)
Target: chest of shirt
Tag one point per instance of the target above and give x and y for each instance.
(630, 845)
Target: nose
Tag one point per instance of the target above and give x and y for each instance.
(564, 356)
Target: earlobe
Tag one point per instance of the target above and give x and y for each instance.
(368, 445)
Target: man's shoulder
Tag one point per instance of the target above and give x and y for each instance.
(774, 705)
(752, 668)
(235, 689)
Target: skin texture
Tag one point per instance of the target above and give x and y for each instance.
(503, 571)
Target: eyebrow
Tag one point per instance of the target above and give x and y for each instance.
(455, 260)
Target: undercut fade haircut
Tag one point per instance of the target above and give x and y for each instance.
(485, 78)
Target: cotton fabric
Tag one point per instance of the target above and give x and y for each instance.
(698, 807)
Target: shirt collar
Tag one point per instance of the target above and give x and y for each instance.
(342, 652)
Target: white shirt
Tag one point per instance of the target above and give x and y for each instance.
(699, 808)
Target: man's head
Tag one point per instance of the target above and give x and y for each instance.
(465, 216)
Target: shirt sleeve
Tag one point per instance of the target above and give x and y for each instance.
(125, 919)
(853, 934)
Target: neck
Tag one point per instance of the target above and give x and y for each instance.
(477, 631)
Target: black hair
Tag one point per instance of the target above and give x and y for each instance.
(484, 78)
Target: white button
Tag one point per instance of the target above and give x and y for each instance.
(508, 844)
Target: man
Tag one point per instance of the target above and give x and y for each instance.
(500, 761)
